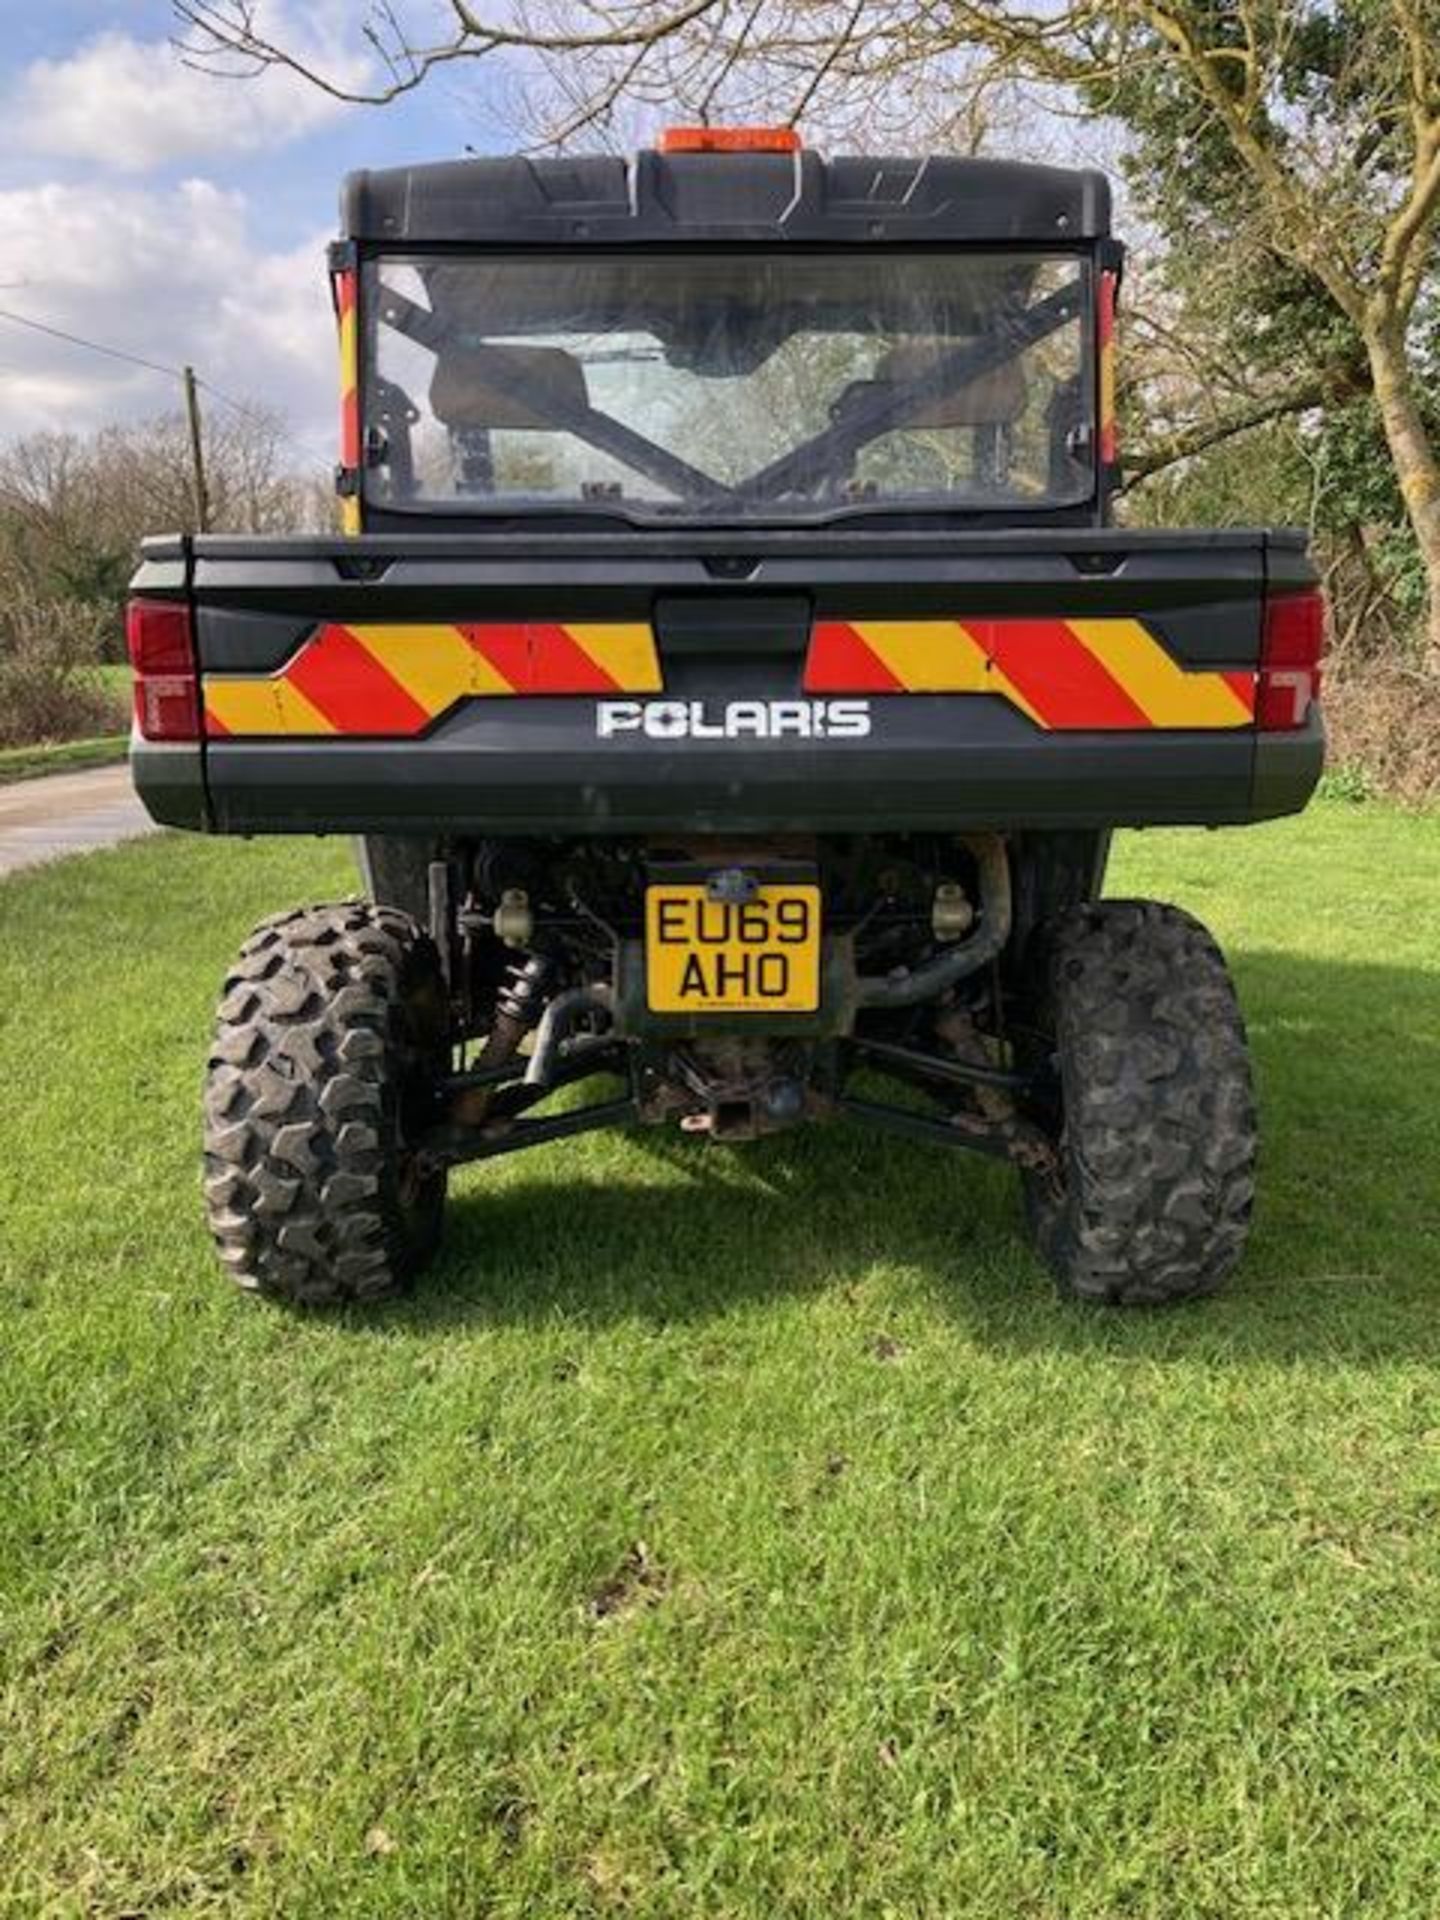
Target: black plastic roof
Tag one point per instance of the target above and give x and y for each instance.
(680, 197)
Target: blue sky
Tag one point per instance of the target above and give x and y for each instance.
(181, 217)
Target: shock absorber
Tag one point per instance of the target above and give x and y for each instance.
(519, 1003)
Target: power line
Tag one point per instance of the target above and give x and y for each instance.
(95, 346)
(171, 373)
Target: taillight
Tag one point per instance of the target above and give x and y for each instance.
(1291, 643)
(161, 645)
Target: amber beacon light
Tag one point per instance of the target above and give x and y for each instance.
(729, 140)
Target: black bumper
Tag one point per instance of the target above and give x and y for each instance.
(532, 767)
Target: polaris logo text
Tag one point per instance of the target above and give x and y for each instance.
(735, 720)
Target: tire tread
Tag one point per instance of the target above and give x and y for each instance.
(300, 1108)
(1159, 1138)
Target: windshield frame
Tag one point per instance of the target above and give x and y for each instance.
(918, 510)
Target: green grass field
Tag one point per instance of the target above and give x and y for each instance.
(61, 756)
(723, 1534)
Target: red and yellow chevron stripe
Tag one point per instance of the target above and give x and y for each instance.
(393, 680)
(1105, 674)
(345, 288)
(1105, 342)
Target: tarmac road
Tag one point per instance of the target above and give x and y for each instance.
(67, 813)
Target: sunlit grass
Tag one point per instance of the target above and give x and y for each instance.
(722, 1533)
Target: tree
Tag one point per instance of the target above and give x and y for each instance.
(1311, 128)
(1306, 320)
(74, 509)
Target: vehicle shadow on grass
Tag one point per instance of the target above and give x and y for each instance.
(1344, 1263)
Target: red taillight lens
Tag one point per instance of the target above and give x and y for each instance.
(161, 645)
(1290, 647)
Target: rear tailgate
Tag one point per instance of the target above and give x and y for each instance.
(770, 682)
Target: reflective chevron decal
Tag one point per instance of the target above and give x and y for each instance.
(393, 680)
(1062, 674)
(1105, 342)
(345, 283)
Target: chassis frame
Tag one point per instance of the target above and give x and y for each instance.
(509, 1127)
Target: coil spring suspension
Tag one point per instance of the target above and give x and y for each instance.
(519, 1001)
(519, 1004)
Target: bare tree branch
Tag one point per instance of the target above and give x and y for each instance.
(1155, 456)
(227, 29)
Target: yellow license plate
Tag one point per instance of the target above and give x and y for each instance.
(761, 955)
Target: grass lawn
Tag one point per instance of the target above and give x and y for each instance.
(722, 1533)
(61, 756)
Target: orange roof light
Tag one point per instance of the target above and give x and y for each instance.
(729, 140)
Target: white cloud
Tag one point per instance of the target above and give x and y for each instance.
(134, 104)
(170, 276)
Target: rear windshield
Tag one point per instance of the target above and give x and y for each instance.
(769, 385)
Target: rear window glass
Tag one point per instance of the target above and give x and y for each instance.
(736, 385)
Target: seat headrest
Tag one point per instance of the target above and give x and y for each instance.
(495, 386)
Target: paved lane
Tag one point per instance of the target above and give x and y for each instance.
(67, 813)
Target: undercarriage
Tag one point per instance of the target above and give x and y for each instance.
(550, 981)
(964, 991)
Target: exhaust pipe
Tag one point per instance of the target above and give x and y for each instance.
(909, 989)
(557, 1022)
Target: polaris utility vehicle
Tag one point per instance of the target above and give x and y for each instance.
(733, 678)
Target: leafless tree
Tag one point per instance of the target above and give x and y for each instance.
(68, 500)
(74, 508)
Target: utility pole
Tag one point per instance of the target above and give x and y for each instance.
(197, 451)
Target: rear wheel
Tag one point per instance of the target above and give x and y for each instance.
(331, 1037)
(1151, 1199)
